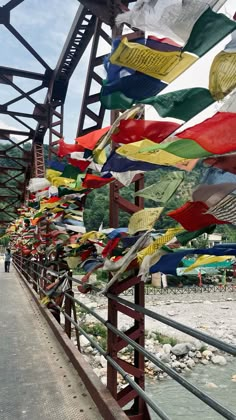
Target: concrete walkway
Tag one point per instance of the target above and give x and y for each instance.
(37, 379)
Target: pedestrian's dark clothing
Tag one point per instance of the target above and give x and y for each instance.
(7, 261)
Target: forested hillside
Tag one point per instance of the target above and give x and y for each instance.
(97, 203)
(15, 185)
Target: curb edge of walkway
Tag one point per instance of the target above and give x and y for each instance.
(106, 404)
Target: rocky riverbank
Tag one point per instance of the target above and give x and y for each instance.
(182, 357)
(177, 350)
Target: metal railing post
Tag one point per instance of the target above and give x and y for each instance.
(68, 309)
(139, 410)
(35, 276)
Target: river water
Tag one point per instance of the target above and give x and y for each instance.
(179, 403)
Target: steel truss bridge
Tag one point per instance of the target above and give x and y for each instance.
(26, 158)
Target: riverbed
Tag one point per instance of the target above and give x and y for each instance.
(179, 403)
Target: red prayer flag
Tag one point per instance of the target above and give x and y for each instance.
(81, 164)
(90, 140)
(51, 200)
(65, 149)
(164, 40)
(132, 130)
(94, 181)
(216, 135)
(110, 246)
(192, 216)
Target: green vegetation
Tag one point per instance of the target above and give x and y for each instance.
(97, 202)
(81, 310)
(98, 332)
(102, 277)
(4, 241)
(164, 339)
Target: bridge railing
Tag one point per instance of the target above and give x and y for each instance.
(133, 374)
(186, 290)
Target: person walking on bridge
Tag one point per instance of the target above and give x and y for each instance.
(7, 260)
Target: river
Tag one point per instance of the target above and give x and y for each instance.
(179, 403)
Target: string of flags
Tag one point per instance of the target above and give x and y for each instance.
(51, 224)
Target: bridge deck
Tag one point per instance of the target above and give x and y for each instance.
(37, 379)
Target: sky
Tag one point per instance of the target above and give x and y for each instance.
(45, 25)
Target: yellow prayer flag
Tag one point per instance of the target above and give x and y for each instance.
(73, 262)
(57, 180)
(57, 209)
(222, 75)
(158, 157)
(162, 65)
(207, 259)
(51, 173)
(91, 235)
(99, 156)
(158, 243)
(144, 219)
(45, 300)
(44, 206)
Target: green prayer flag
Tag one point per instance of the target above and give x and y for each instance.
(163, 190)
(182, 104)
(185, 148)
(209, 29)
(185, 237)
(70, 171)
(34, 205)
(116, 100)
(38, 214)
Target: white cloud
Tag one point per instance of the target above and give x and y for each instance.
(4, 126)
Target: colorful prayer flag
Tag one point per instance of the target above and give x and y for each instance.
(158, 243)
(225, 209)
(222, 79)
(160, 157)
(127, 85)
(212, 194)
(184, 237)
(217, 134)
(187, 149)
(165, 66)
(170, 18)
(65, 149)
(163, 190)
(94, 181)
(90, 140)
(182, 104)
(118, 163)
(206, 260)
(192, 216)
(116, 100)
(71, 171)
(81, 164)
(209, 29)
(131, 130)
(169, 263)
(144, 220)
